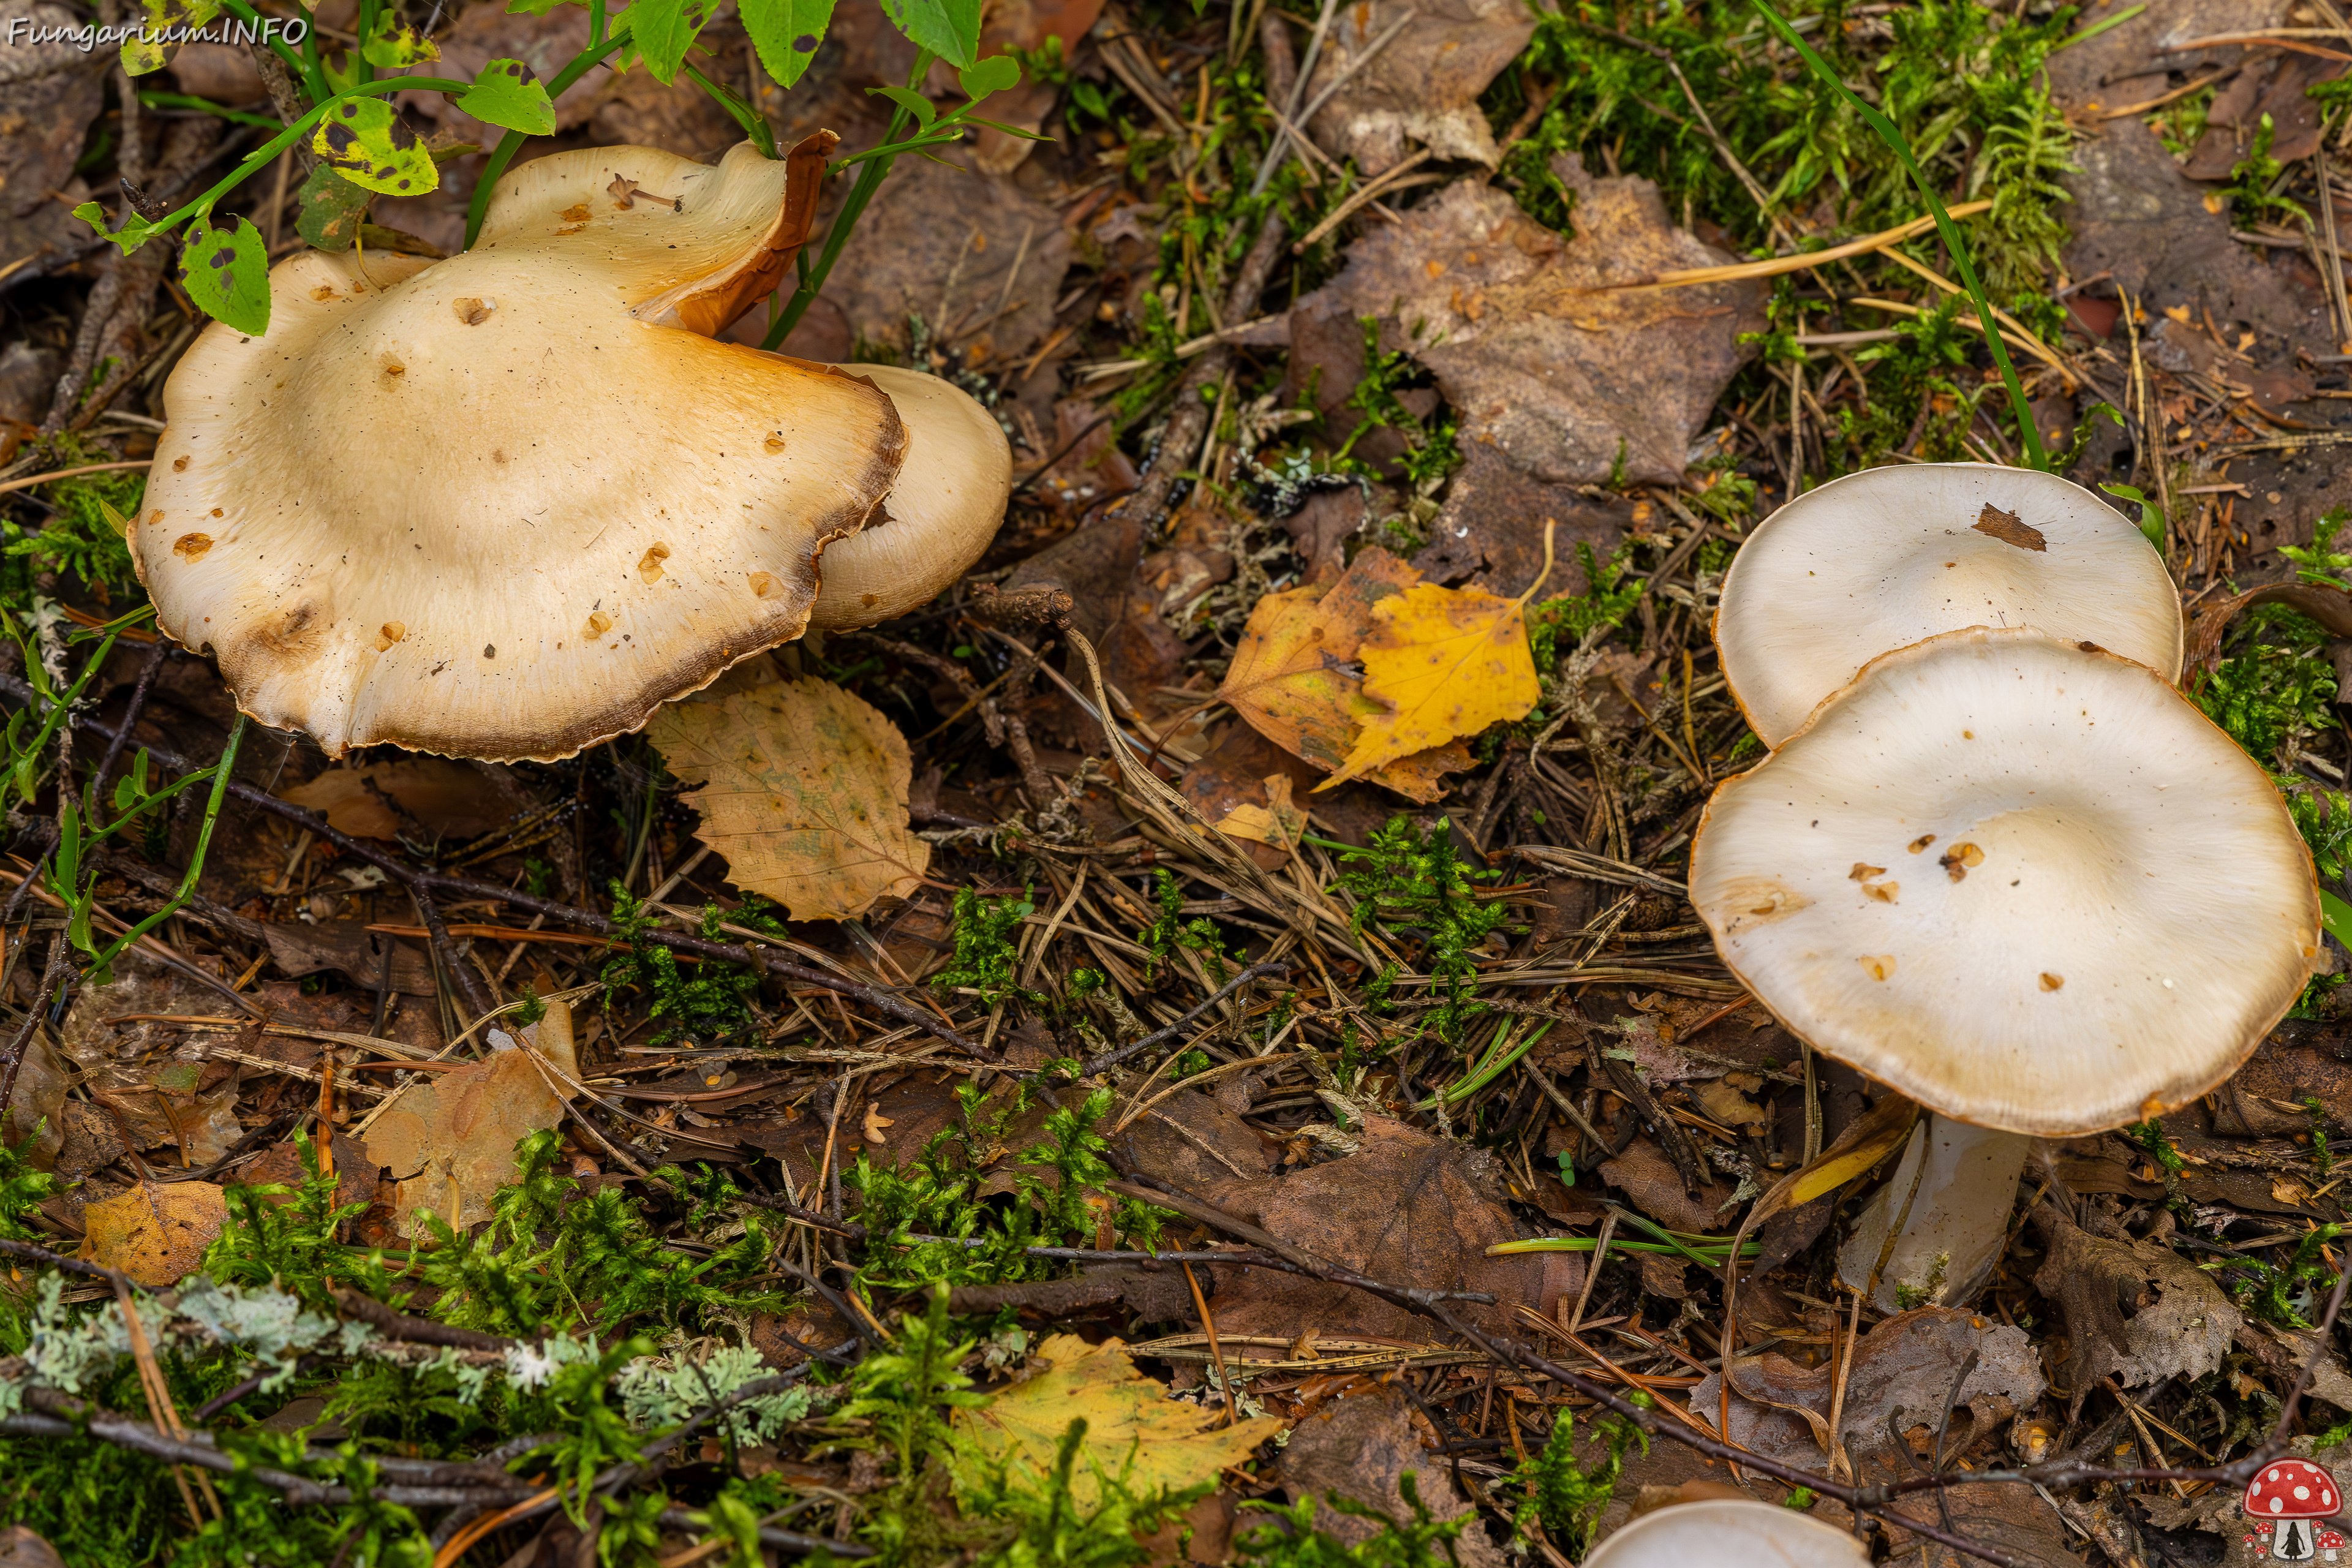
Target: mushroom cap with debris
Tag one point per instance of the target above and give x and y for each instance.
(504, 505)
(1726, 1533)
(2027, 885)
(938, 518)
(1878, 560)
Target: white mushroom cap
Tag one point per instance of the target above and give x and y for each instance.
(2029, 886)
(506, 504)
(1722, 1532)
(1880, 559)
(939, 516)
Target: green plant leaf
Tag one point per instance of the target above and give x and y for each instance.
(997, 73)
(664, 31)
(226, 270)
(370, 146)
(510, 95)
(2151, 521)
(2336, 916)
(948, 28)
(786, 33)
(329, 209)
(394, 45)
(908, 99)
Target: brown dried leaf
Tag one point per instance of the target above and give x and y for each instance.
(1437, 1211)
(1650, 1182)
(1565, 381)
(1424, 83)
(157, 1232)
(803, 790)
(1357, 1447)
(1908, 1361)
(2134, 1310)
(449, 1145)
(437, 795)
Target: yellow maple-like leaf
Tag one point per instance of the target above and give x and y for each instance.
(804, 793)
(1448, 662)
(157, 1232)
(1134, 1431)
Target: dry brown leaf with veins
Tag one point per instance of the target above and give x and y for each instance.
(157, 1232)
(1423, 84)
(803, 790)
(1565, 381)
(449, 1144)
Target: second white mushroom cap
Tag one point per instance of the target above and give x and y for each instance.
(2027, 885)
(1880, 559)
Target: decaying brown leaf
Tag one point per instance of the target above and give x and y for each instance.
(414, 797)
(1437, 1211)
(1565, 381)
(1356, 1448)
(2134, 1310)
(1424, 83)
(157, 1232)
(448, 1146)
(1908, 1362)
(803, 790)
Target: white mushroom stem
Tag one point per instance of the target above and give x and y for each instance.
(939, 516)
(1931, 1236)
(1727, 1534)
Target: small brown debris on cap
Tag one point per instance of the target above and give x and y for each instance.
(2052, 981)
(1920, 843)
(1959, 858)
(1877, 965)
(1883, 891)
(1863, 872)
(2008, 528)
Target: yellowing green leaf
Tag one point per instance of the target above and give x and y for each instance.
(803, 790)
(1447, 662)
(157, 1232)
(369, 146)
(1134, 1431)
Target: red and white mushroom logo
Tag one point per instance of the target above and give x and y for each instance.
(2292, 1496)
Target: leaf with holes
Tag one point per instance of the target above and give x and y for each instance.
(157, 1232)
(664, 30)
(803, 789)
(786, 33)
(948, 28)
(370, 145)
(145, 50)
(226, 270)
(508, 95)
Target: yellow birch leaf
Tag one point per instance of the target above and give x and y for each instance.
(1448, 662)
(157, 1232)
(803, 790)
(1133, 1429)
(1289, 677)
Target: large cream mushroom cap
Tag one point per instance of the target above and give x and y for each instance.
(1722, 1532)
(506, 504)
(2029, 886)
(939, 516)
(1880, 559)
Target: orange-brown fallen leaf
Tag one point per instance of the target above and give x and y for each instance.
(803, 790)
(449, 1145)
(157, 1232)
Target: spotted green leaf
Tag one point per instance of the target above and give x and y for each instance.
(508, 94)
(368, 145)
(948, 28)
(786, 33)
(664, 31)
(329, 209)
(226, 270)
(392, 45)
(139, 56)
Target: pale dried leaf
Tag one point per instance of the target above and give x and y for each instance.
(803, 790)
(449, 1145)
